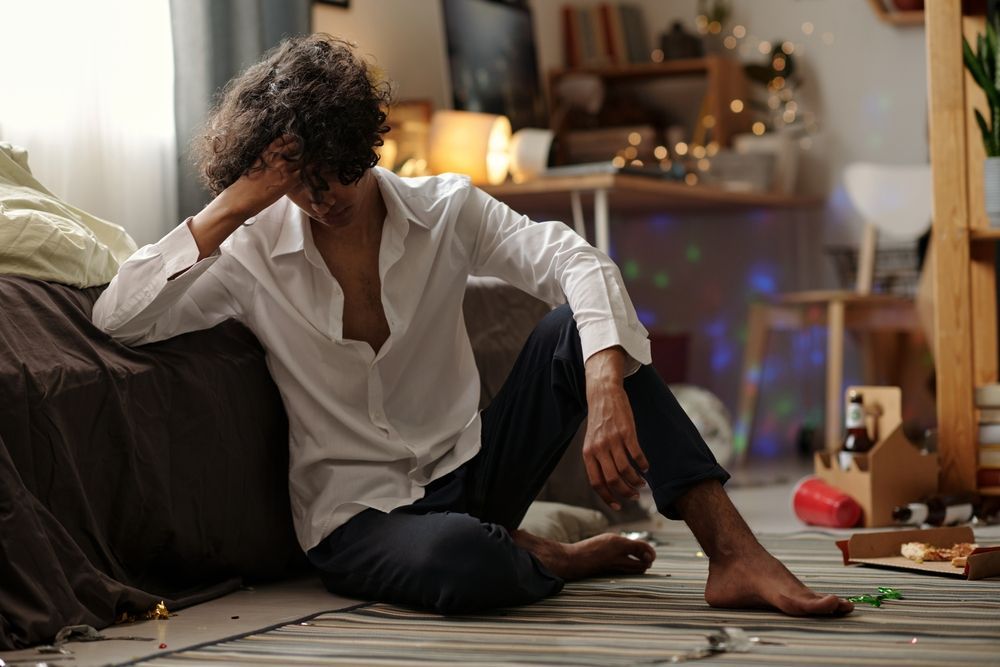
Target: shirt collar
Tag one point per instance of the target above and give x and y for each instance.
(294, 231)
(396, 205)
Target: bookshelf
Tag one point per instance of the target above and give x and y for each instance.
(724, 82)
(964, 255)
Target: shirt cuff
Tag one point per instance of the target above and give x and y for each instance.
(164, 268)
(597, 336)
(180, 254)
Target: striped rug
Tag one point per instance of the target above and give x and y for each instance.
(647, 619)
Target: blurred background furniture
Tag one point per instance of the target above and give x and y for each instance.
(965, 246)
(893, 201)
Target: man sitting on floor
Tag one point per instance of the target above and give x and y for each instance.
(352, 278)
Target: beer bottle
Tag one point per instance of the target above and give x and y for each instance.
(856, 440)
(938, 510)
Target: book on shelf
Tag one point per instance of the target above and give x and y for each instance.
(989, 457)
(603, 34)
(989, 415)
(611, 32)
(988, 477)
(636, 37)
(589, 42)
(571, 40)
(988, 396)
(989, 434)
(603, 143)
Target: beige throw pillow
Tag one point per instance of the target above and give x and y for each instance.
(563, 523)
(44, 237)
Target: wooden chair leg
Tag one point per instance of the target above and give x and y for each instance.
(758, 324)
(834, 372)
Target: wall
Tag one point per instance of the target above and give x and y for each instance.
(868, 88)
(405, 38)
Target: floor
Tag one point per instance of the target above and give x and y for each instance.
(762, 493)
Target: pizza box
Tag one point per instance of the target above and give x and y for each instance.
(882, 550)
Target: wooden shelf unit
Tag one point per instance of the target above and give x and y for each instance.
(985, 235)
(725, 81)
(964, 256)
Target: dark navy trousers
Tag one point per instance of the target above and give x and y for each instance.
(451, 551)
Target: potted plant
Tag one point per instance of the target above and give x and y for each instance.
(985, 69)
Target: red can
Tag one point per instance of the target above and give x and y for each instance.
(819, 504)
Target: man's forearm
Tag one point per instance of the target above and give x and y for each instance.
(605, 370)
(213, 225)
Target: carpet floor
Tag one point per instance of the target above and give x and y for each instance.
(650, 619)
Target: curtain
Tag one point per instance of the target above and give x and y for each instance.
(88, 90)
(213, 41)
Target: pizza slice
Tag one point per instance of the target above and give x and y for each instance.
(919, 552)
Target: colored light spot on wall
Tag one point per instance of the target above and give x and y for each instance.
(646, 316)
(753, 374)
(801, 347)
(772, 372)
(740, 440)
(814, 416)
(839, 199)
(662, 223)
(722, 356)
(716, 328)
(762, 280)
(693, 253)
(817, 357)
(784, 406)
(767, 446)
(630, 269)
(760, 216)
(661, 280)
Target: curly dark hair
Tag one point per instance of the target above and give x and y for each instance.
(313, 89)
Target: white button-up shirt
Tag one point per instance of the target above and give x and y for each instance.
(367, 429)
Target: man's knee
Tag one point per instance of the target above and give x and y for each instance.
(556, 335)
(465, 565)
(557, 321)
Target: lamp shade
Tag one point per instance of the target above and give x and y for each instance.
(470, 143)
(529, 153)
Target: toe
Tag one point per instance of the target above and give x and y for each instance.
(643, 551)
(820, 605)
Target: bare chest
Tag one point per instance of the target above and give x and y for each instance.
(364, 316)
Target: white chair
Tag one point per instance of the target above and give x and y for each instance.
(894, 201)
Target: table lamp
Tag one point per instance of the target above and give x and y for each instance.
(529, 153)
(470, 143)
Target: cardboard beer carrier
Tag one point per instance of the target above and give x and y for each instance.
(894, 472)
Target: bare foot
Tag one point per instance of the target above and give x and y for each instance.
(761, 581)
(602, 554)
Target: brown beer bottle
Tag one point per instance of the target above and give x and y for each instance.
(856, 440)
